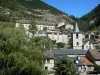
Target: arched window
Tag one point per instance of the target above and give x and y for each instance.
(77, 36)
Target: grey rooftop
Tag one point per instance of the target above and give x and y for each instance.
(63, 51)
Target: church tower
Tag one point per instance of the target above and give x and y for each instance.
(77, 38)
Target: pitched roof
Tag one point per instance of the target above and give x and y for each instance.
(95, 53)
(79, 62)
(49, 55)
(85, 41)
(86, 61)
(64, 51)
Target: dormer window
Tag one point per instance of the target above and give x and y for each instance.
(77, 36)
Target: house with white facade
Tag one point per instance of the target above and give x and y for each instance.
(80, 42)
(26, 25)
(40, 33)
(84, 65)
(87, 44)
(54, 32)
(79, 57)
(49, 61)
(58, 37)
(69, 26)
(66, 26)
(41, 27)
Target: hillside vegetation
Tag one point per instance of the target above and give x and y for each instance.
(37, 10)
(92, 19)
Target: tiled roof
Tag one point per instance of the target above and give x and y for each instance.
(85, 61)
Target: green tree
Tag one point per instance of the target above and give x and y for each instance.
(18, 55)
(65, 66)
(60, 45)
(97, 68)
(70, 42)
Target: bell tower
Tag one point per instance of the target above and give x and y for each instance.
(77, 38)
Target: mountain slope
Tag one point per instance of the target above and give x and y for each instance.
(92, 19)
(37, 10)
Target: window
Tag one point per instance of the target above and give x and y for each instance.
(48, 61)
(46, 68)
(77, 43)
(77, 36)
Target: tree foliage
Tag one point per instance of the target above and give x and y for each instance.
(18, 55)
(65, 66)
(93, 16)
(97, 68)
(60, 45)
(70, 42)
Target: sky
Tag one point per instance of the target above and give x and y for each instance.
(77, 8)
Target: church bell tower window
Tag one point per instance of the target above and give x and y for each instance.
(77, 36)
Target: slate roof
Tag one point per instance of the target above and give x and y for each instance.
(69, 51)
(58, 53)
(76, 59)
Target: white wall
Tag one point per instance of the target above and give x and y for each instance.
(26, 26)
(61, 24)
(49, 65)
(89, 46)
(29, 34)
(79, 40)
(68, 26)
(97, 62)
(59, 37)
(41, 27)
(84, 69)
